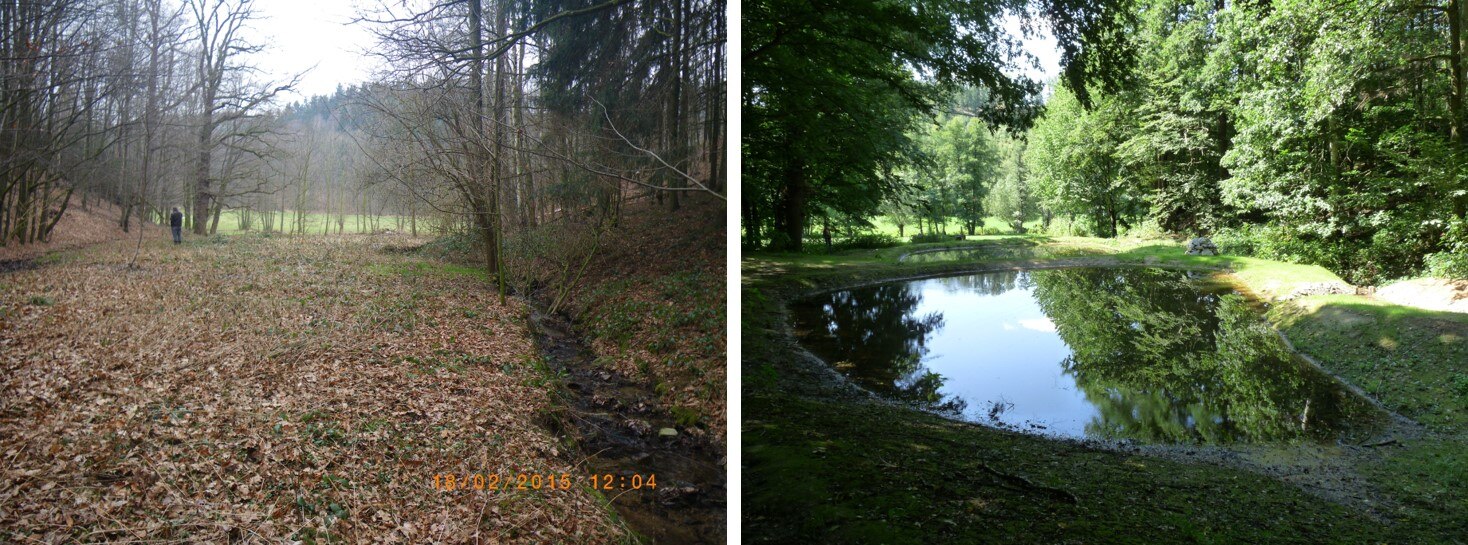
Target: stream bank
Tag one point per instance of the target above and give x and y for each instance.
(620, 429)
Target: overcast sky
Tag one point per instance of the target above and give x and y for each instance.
(302, 34)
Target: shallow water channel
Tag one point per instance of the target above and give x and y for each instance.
(616, 422)
(1151, 355)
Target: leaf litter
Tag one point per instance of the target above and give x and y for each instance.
(269, 389)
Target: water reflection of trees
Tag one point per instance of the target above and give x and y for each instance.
(994, 283)
(875, 336)
(1165, 362)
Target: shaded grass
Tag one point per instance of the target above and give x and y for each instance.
(821, 472)
(1414, 362)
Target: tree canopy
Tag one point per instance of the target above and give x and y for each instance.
(1331, 134)
(833, 91)
(1327, 133)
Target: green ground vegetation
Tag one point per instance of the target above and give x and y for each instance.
(317, 223)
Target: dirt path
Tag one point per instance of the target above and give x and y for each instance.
(1427, 293)
(275, 389)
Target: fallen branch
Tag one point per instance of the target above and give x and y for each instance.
(1024, 484)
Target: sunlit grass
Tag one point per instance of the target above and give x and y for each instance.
(316, 223)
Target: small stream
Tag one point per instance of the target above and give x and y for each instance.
(621, 430)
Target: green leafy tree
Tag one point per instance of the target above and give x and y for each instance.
(833, 89)
(1011, 198)
(1074, 158)
(966, 165)
(1181, 107)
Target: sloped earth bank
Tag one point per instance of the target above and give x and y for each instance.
(254, 389)
(79, 227)
(639, 340)
(625, 433)
(828, 462)
(1428, 293)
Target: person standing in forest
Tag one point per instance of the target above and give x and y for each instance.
(175, 223)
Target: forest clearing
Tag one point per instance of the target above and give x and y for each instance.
(264, 388)
(338, 272)
(1122, 271)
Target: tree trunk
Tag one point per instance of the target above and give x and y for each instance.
(1457, 12)
(751, 222)
(792, 206)
(201, 170)
(485, 188)
(498, 166)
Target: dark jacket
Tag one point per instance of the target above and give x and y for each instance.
(175, 219)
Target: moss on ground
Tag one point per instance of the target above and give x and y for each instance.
(1415, 362)
(825, 465)
(823, 472)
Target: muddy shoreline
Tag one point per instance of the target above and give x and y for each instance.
(620, 429)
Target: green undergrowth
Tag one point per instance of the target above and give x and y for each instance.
(418, 268)
(822, 466)
(671, 326)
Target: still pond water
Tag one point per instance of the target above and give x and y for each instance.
(1151, 355)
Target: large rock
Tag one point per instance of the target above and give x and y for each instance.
(1202, 246)
(1319, 288)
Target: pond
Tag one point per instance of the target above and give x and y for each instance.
(1150, 355)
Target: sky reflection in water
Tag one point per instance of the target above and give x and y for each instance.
(1119, 353)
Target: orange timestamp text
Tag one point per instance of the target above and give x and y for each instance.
(451, 482)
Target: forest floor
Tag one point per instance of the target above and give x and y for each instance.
(651, 303)
(262, 389)
(79, 227)
(648, 306)
(827, 462)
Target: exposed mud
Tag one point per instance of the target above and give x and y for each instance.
(621, 431)
(17, 265)
(1428, 293)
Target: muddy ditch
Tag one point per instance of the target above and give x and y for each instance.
(621, 430)
(17, 265)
